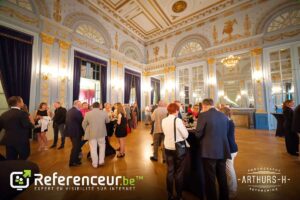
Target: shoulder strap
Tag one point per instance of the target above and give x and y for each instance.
(175, 129)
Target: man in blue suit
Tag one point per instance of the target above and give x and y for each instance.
(75, 131)
(212, 129)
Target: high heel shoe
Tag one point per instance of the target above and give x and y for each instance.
(120, 155)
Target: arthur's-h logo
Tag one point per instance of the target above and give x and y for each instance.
(20, 180)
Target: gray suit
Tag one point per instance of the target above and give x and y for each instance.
(94, 124)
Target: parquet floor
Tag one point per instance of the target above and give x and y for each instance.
(256, 149)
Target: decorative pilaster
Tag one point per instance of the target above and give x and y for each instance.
(63, 70)
(117, 81)
(257, 75)
(169, 84)
(212, 80)
(46, 68)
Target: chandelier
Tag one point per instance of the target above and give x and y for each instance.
(230, 62)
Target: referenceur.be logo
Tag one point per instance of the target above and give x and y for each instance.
(21, 180)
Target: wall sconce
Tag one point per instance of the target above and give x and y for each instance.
(257, 75)
(147, 88)
(117, 84)
(63, 75)
(212, 80)
(243, 92)
(182, 94)
(46, 73)
(221, 93)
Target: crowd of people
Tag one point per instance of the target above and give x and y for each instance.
(171, 126)
(82, 123)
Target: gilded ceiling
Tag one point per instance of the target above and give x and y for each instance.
(150, 19)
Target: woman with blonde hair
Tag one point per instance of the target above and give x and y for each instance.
(230, 171)
(121, 129)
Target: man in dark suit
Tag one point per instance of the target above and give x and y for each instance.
(75, 131)
(16, 123)
(296, 120)
(212, 129)
(59, 121)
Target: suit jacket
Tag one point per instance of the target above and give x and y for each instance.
(59, 116)
(16, 124)
(288, 115)
(157, 116)
(212, 129)
(231, 137)
(296, 119)
(73, 126)
(94, 124)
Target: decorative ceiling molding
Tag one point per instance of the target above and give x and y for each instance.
(148, 20)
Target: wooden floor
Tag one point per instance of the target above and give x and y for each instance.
(256, 149)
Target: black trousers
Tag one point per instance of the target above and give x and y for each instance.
(292, 142)
(18, 152)
(56, 129)
(175, 170)
(215, 169)
(74, 157)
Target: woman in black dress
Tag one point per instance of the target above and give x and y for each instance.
(41, 135)
(121, 129)
(291, 138)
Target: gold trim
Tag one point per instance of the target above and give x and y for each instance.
(256, 51)
(24, 18)
(64, 45)
(211, 61)
(48, 39)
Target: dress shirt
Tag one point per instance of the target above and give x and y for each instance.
(168, 129)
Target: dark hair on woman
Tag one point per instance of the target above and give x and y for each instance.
(286, 103)
(41, 105)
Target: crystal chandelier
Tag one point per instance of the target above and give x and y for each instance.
(230, 62)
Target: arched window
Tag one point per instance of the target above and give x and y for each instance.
(284, 20)
(22, 3)
(90, 32)
(190, 47)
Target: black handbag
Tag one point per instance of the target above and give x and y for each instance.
(180, 147)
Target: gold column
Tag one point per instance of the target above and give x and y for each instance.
(63, 71)
(117, 80)
(47, 45)
(212, 83)
(169, 82)
(257, 75)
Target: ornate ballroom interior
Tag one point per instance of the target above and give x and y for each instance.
(179, 45)
(243, 53)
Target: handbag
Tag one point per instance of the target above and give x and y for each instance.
(180, 147)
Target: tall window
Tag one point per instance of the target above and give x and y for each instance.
(184, 85)
(281, 76)
(132, 96)
(197, 83)
(191, 84)
(90, 89)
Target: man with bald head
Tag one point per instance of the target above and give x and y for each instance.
(158, 136)
(75, 131)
